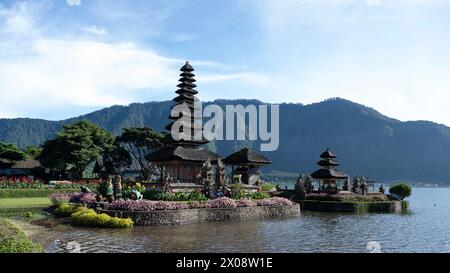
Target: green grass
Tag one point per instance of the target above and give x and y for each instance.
(11, 203)
(28, 193)
(14, 240)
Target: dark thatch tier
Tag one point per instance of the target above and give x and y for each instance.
(188, 149)
(328, 170)
(328, 162)
(181, 153)
(328, 154)
(246, 156)
(323, 174)
(186, 97)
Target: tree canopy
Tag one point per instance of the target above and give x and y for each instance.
(33, 151)
(140, 142)
(400, 190)
(76, 146)
(11, 152)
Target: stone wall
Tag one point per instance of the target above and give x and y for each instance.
(358, 207)
(190, 216)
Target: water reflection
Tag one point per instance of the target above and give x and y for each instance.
(426, 229)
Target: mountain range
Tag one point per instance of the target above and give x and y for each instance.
(366, 142)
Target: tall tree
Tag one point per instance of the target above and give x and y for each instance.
(33, 151)
(115, 159)
(76, 146)
(11, 152)
(140, 142)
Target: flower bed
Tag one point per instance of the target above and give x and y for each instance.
(223, 202)
(20, 183)
(58, 198)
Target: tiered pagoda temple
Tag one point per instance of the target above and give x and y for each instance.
(182, 159)
(329, 174)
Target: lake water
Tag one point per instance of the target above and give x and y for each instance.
(425, 229)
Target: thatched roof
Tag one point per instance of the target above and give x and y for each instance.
(328, 162)
(328, 174)
(328, 154)
(246, 156)
(182, 153)
(28, 163)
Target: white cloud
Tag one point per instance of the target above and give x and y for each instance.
(77, 71)
(95, 30)
(73, 2)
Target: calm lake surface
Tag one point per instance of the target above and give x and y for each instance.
(425, 229)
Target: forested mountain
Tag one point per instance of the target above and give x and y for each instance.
(366, 141)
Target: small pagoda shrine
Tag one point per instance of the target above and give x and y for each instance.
(182, 160)
(329, 174)
(246, 164)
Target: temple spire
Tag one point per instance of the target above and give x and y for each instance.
(186, 96)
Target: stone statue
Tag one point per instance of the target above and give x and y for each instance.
(109, 189)
(206, 175)
(307, 181)
(300, 187)
(364, 185)
(346, 184)
(381, 189)
(356, 184)
(118, 187)
(220, 174)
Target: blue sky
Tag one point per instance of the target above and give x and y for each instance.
(62, 58)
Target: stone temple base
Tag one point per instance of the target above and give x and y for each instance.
(203, 215)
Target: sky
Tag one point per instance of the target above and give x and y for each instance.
(64, 58)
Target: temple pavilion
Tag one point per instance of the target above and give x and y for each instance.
(328, 173)
(181, 160)
(246, 164)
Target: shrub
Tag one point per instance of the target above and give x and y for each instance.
(179, 196)
(64, 210)
(258, 195)
(14, 240)
(267, 187)
(400, 190)
(116, 222)
(126, 190)
(89, 218)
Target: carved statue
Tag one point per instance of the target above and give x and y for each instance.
(220, 174)
(206, 175)
(381, 189)
(109, 189)
(364, 185)
(346, 184)
(307, 181)
(118, 187)
(300, 187)
(356, 184)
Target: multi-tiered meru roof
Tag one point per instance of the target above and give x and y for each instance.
(187, 148)
(328, 171)
(186, 97)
